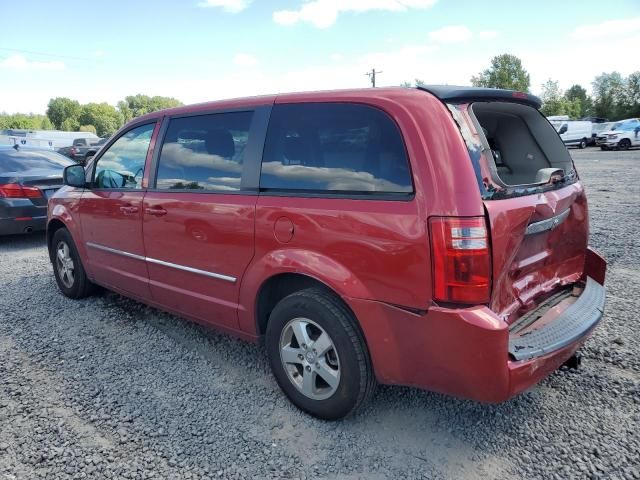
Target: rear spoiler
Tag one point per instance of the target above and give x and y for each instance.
(453, 94)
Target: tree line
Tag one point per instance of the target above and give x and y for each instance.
(614, 97)
(100, 118)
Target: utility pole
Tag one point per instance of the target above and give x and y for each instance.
(372, 76)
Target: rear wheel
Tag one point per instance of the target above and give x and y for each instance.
(318, 355)
(67, 267)
(624, 144)
(583, 144)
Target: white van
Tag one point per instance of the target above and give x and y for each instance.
(49, 139)
(622, 135)
(574, 132)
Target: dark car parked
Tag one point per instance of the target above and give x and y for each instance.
(28, 177)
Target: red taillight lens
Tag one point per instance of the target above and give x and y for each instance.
(461, 260)
(73, 150)
(15, 190)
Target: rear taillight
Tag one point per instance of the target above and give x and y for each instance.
(461, 260)
(15, 190)
(73, 150)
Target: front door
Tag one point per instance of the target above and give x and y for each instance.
(199, 220)
(111, 214)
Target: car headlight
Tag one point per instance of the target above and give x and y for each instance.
(613, 136)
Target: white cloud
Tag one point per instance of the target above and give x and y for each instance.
(337, 57)
(245, 60)
(231, 6)
(20, 62)
(324, 13)
(98, 53)
(539, 63)
(451, 34)
(488, 34)
(607, 29)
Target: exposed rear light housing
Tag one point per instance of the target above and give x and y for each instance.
(15, 190)
(460, 259)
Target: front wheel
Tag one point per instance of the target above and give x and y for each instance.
(624, 144)
(318, 355)
(67, 267)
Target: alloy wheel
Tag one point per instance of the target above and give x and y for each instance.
(64, 264)
(310, 358)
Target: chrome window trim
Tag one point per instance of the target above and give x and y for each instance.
(547, 224)
(117, 252)
(184, 268)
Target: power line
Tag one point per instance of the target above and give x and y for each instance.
(31, 52)
(372, 76)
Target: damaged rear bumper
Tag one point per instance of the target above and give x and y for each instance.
(471, 352)
(576, 321)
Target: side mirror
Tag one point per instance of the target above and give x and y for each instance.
(563, 129)
(73, 175)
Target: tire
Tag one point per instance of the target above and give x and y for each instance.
(602, 147)
(583, 144)
(624, 144)
(67, 268)
(319, 313)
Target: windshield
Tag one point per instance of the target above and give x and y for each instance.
(12, 160)
(602, 127)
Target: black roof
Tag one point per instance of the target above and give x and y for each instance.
(456, 94)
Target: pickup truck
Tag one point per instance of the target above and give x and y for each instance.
(83, 148)
(621, 136)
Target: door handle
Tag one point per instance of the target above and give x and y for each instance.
(129, 210)
(158, 211)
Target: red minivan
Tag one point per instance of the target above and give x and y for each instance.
(433, 237)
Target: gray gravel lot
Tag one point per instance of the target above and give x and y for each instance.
(108, 388)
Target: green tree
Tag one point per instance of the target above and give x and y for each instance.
(506, 71)
(136, 105)
(551, 97)
(104, 117)
(45, 123)
(87, 128)
(416, 83)
(70, 125)
(576, 92)
(61, 109)
(554, 102)
(609, 90)
(579, 94)
(24, 121)
(632, 95)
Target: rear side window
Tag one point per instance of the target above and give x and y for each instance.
(334, 147)
(204, 152)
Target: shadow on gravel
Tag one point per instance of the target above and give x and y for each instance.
(423, 414)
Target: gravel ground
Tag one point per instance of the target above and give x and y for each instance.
(108, 388)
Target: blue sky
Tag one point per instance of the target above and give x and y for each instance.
(199, 50)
